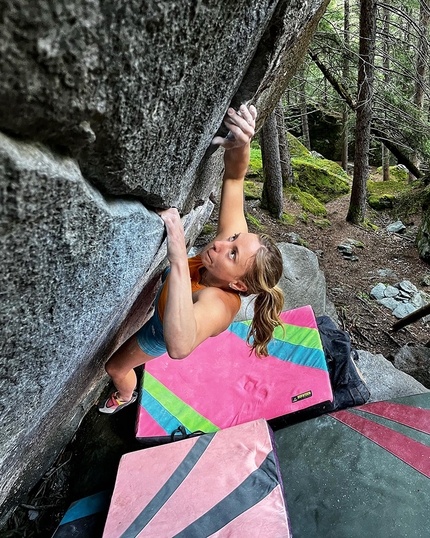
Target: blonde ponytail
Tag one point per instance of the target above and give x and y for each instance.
(261, 280)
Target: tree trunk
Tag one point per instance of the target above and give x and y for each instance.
(272, 197)
(386, 66)
(345, 75)
(422, 53)
(357, 207)
(304, 110)
(284, 149)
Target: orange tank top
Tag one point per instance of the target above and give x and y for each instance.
(195, 264)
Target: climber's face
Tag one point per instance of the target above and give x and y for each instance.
(228, 260)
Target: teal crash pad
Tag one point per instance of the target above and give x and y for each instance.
(359, 473)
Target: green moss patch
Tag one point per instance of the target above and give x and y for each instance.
(208, 229)
(322, 223)
(252, 190)
(308, 202)
(396, 173)
(322, 178)
(297, 149)
(255, 168)
(287, 218)
(383, 194)
(253, 220)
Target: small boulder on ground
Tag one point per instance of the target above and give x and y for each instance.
(415, 361)
(383, 380)
(396, 227)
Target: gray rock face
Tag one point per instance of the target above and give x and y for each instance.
(84, 259)
(378, 291)
(396, 227)
(383, 380)
(415, 361)
(423, 236)
(109, 106)
(137, 90)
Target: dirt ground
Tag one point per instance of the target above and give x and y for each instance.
(88, 464)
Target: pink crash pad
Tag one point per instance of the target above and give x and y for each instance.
(219, 484)
(220, 384)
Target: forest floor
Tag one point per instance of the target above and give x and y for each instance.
(88, 464)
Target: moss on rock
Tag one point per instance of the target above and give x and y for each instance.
(324, 179)
(255, 168)
(397, 173)
(297, 149)
(253, 220)
(252, 190)
(386, 194)
(308, 202)
(287, 218)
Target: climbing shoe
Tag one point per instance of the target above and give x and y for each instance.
(115, 404)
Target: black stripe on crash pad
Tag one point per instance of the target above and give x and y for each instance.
(250, 492)
(169, 487)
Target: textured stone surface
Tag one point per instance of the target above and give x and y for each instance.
(383, 380)
(101, 101)
(136, 90)
(73, 262)
(415, 361)
(423, 236)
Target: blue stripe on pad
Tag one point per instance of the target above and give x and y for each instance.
(164, 418)
(88, 506)
(285, 351)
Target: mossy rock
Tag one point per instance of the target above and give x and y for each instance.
(252, 190)
(369, 225)
(396, 173)
(297, 149)
(322, 178)
(308, 202)
(413, 201)
(322, 223)
(385, 194)
(208, 229)
(325, 180)
(384, 201)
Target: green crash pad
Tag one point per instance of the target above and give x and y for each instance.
(362, 472)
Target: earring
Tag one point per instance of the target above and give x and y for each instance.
(229, 284)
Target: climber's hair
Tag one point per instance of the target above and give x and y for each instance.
(261, 279)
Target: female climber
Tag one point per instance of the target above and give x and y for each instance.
(201, 296)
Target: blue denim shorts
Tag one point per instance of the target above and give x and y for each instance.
(150, 338)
